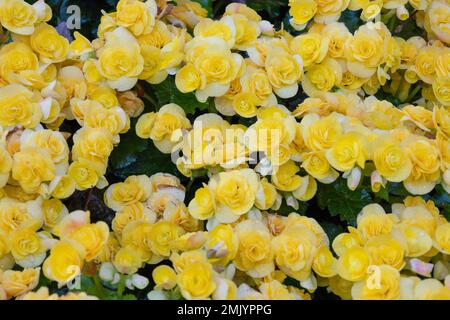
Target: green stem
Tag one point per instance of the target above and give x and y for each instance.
(388, 16)
(211, 106)
(391, 24)
(414, 92)
(151, 100)
(121, 285)
(189, 185)
(402, 80)
(99, 287)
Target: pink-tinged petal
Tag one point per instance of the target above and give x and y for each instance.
(420, 267)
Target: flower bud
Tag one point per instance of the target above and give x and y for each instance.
(266, 28)
(402, 13)
(157, 295)
(354, 178)
(377, 181)
(107, 271)
(139, 281)
(441, 270)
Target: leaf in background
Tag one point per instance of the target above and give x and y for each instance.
(128, 149)
(267, 5)
(167, 92)
(134, 156)
(351, 19)
(285, 210)
(383, 194)
(332, 229)
(342, 202)
(442, 200)
(90, 14)
(271, 10)
(397, 189)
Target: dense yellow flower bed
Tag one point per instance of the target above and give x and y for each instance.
(228, 239)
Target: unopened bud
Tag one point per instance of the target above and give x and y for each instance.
(139, 281)
(107, 271)
(402, 13)
(354, 178)
(157, 295)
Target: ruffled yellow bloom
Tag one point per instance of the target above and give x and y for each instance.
(382, 284)
(365, 51)
(324, 263)
(353, 263)
(164, 277)
(134, 189)
(127, 260)
(234, 193)
(49, 44)
(203, 205)
(161, 126)
(19, 107)
(350, 149)
(385, 250)
(120, 60)
(285, 177)
(31, 168)
(196, 281)
(302, 12)
(16, 283)
(284, 71)
(18, 16)
(92, 237)
(64, 262)
(255, 255)
(391, 160)
(139, 17)
(17, 58)
(222, 244)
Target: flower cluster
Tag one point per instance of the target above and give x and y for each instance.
(289, 111)
(382, 257)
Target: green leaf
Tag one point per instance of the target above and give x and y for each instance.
(351, 19)
(342, 202)
(267, 5)
(332, 229)
(128, 149)
(398, 189)
(135, 156)
(149, 162)
(285, 210)
(167, 92)
(383, 194)
(442, 200)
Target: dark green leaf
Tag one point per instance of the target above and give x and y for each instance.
(128, 149)
(351, 19)
(441, 199)
(397, 189)
(332, 229)
(342, 202)
(268, 5)
(285, 210)
(383, 194)
(167, 92)
(149, 162)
